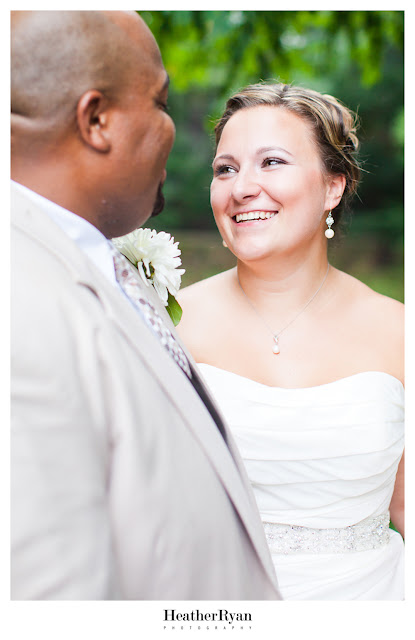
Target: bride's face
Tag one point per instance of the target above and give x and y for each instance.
(267, 166)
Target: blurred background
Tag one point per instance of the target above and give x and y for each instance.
(356, 56)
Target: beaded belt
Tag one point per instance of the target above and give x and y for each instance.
(372, 533)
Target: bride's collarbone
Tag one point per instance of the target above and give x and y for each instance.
(319, 347)
(300, 362)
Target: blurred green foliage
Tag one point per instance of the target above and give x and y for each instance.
(203, 255)
(355, 55)
(226, 49)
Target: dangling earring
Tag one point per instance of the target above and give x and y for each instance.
(329, 233)
(224, 244)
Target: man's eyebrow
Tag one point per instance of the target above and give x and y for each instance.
(166, 83)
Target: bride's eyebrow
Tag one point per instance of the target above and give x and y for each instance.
(224, 156)
(262, 150)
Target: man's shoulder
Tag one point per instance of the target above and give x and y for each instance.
(37, 266)
(44, 276)
(41, 251)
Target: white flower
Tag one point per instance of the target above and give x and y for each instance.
(156, 257)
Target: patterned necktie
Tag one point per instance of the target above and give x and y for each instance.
(131, 286)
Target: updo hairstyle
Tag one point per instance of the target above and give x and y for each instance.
(333, 124)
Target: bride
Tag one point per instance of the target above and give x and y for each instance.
(305, 361)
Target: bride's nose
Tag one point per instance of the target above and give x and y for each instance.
(245, 186)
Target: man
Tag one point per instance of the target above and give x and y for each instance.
(125, 482)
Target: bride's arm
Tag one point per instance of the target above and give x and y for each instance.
(397, 505)
(392, 313)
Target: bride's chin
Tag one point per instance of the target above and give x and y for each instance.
(250, 250)
(252, 258)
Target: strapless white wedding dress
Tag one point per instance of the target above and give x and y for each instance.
(322, 462)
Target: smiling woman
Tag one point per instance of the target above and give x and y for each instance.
(305, 361)
(285, 181)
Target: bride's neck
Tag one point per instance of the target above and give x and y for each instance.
(288, 282)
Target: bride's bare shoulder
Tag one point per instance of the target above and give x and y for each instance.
(375, 321)
(216, 286)
(372, 301)
(204, 304)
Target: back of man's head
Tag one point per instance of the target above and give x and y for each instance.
(58, 55)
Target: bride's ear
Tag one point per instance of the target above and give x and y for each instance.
(335, 189)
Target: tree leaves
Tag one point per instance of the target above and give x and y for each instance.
(227, 49)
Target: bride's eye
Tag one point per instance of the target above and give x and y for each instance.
(270, 162)
(222, 169)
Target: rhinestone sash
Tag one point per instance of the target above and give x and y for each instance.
(372, 533)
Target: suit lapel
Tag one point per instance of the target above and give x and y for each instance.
(225, 460)
(231, 442)
(155, 300)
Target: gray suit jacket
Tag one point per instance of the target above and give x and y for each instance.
(122, 485)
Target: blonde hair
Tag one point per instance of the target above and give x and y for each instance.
(333, 124)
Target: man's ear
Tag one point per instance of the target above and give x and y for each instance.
(93, 119)
(335, 189)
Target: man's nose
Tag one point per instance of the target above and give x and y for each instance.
(245, 186)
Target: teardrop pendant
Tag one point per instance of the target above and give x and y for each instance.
(276, 347)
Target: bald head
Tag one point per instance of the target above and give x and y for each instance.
(58, 55)
(89, 128)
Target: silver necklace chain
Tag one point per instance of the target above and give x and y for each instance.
(276, 335)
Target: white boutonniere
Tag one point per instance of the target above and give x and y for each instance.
(156, 257)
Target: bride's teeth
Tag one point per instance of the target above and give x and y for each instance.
(254, 215)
